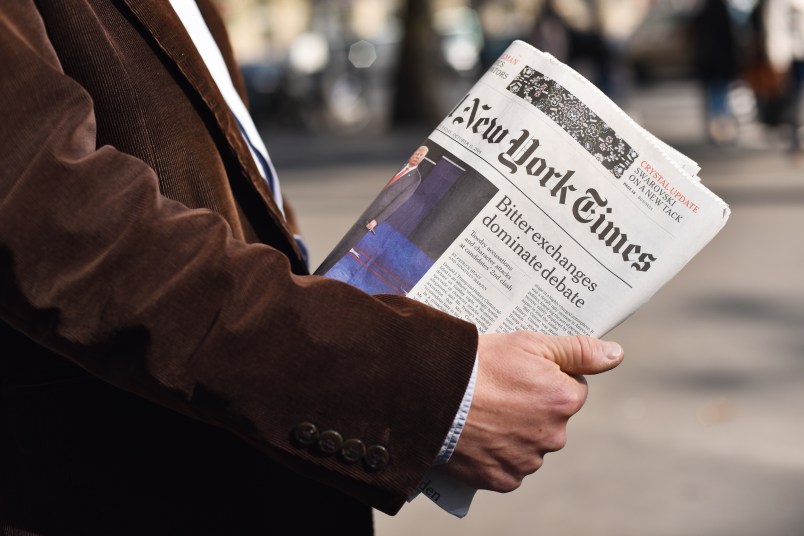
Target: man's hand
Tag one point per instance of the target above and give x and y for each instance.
(528, 386)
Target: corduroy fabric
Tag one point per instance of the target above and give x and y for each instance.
(161, 336)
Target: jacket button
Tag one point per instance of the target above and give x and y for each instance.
(353, 450)
(306, 433)
(376, 457)
(330, 442)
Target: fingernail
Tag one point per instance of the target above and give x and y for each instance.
(612, 350)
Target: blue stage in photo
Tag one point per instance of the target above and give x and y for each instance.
(383, 263)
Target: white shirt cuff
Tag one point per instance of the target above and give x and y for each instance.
(448, 447)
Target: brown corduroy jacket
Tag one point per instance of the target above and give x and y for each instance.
(160, 337)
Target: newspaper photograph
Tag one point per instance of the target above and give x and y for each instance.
(536, 204)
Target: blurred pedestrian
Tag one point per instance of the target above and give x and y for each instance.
(550, 32)
(590, 36)
(783, 24)
(716, 65)
(768, 85)
(169, 365)
(590, 44)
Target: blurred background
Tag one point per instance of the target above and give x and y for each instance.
(701, 430)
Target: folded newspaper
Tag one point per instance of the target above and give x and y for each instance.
(536, 204)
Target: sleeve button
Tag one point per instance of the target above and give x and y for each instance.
(376, 457)
(306, 433)
(330, 442)
(353, 450)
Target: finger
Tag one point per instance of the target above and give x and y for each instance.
(580, 354)
(580, 378)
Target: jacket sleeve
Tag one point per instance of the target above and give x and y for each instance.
(159, 299)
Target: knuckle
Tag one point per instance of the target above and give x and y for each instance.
(556, 441)
(510, 477)
(573, 399)
(583, 346)
(506, 484)
(534, 465)
(578, 399)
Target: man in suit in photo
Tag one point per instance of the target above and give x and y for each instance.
(396, 192)
(393, 195)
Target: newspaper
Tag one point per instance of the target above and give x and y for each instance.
(536, 204)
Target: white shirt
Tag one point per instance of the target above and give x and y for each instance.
(190, 16)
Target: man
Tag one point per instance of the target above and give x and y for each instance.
(398, 190)
(168, 366)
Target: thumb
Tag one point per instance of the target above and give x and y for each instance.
(581, 354)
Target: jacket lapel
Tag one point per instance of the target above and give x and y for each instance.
(161, 22)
